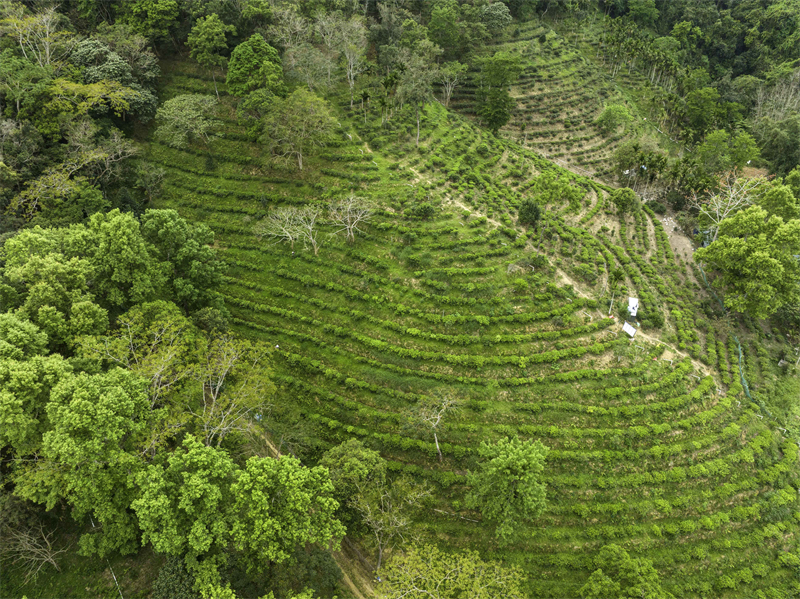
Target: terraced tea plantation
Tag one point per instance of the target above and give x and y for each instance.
(560, 94)
(653, 444)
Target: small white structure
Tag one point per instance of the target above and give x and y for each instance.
(630, 329)
(633, 306)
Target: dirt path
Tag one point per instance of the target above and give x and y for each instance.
(680, 243)
(699, 366)
(460, 204)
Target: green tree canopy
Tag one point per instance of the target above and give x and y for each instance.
(152, 18)
(721, 151)
(89, 455)
(254, 65)
(194, 268)
(297, 124)
(280, 505)
(625, 199)
(208, 44)
(612, 118)
(755, 256)
(620, 576)
(529, 212)
(780, 200)
(185, 119)
(427, 573)
(506, 488)
(351, 466)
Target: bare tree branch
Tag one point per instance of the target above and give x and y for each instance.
(348, 213)
(735, 194)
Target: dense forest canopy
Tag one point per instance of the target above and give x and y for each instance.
(316, 298)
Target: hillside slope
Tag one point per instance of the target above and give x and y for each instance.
(651, 448)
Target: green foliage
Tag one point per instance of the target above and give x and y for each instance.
(94, 422)
(254, 65)
(612, 118)
(625, 199)
(720, 151)
(496, 17)
(754, 255)
(173, 581)
(619, 575)
(427, 573)
(643, 11)
(352, 466)
(195, 270)
(152, 18)
(207, 42)
(184, 505)
(186, 119)
(495, 104)
(281, 505)
(506, 488)
(529, 212)
(297, 124)
(495, 108)
(780, 200)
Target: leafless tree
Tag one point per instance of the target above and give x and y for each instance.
(735, 194)
(290, 29)
(159, 354)
(41, 35)
(280, 224)
(234, 384)
(30, 547)
(353, 42)
(307, 223)
(348, 213)
(384, 508)
(430, 412)
(451, 75)
(309, 65)
(779, 100)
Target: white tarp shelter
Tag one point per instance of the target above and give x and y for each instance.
(633, 306)
(628, 328)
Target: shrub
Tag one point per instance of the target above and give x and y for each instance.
(529, 212)
(520, 285)
(173, 581)
(423, 210)
(612, 118)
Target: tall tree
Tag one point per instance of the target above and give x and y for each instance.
(734, 193)
(281, 506)
(194, 268)
(620, 575)
(755, 256)
(352, 466)
(416, 85)
(297, 124)
(352, 38)
(234, 381)
(451, 75)
(625, 199)
(385, 508)
(207, 44)
(495, 104)
(348, 213)
(185, 119)
(154, 19)
(429, 413)
(89, 455)
(184, 507)
(506, 488)
(43, 36)
(254, 65)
